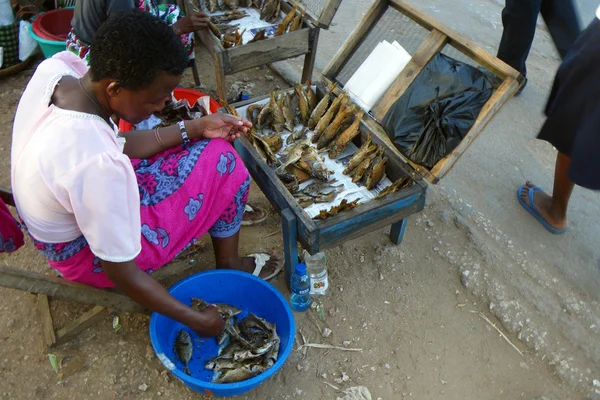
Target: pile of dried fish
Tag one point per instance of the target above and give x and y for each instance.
(269, 9)
(291, 22)
(228, 16)
(248, 346)
(343, 206)
(233, 39)
(178, 110)
(394, 187)
(367, 165)
(223, 5)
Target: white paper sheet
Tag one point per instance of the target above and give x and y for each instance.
(351, 191)
(377, 73)
(252, 23)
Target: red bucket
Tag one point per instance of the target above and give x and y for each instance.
(53, 25)
(179, 93)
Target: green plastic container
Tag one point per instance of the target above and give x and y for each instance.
(49, 47)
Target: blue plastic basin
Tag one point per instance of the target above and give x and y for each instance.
(239, 289)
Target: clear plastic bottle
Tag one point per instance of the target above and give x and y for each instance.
(300, 298)
(316, 267)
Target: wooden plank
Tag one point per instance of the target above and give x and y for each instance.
(46, 318)
(434, 42)
(328, 13)
(277, 194)
(33, 282)
(506, 90)
(220, 74)
(311, 56)
(290, 243)
(356, 37)
(457, 40)
(78, 325)
(270, 50)
(7, 196)
(398, 230)
(371, 216)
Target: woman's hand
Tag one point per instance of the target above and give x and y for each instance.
(191, 23)
(207, 323)
(223, 126)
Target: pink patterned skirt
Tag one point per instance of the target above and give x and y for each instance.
(183, 195)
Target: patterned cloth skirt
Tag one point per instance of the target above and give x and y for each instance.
(183, 195)
(169, 13)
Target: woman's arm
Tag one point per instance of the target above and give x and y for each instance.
(146, 291)
(145, 144)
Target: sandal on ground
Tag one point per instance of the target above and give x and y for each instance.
(260, 260)
(253, 215)
(531, 209)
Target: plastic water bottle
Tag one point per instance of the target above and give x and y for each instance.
(300, 298)
(316, 268)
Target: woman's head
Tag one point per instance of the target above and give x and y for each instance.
(137, 60)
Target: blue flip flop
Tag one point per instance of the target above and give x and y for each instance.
(533, 211)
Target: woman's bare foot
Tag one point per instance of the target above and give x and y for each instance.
(253, 215)
(544, 206)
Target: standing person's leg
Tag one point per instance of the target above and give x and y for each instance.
(552, 209)
(519, 19)
(563, 23)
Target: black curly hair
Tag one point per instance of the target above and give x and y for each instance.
(133, 47)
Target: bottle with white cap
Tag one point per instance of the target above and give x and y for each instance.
(316, 267)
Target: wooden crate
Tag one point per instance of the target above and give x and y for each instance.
(294, 44)
(393, 209)
(318, 235)
(438, 38)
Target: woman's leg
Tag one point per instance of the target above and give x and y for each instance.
(225, 234)
(554, 208)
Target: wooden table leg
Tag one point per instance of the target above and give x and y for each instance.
(309, 58)
(398, 230)
(290, 243)
(220, 74)
(194, 68)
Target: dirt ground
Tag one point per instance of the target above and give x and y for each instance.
(409, 308)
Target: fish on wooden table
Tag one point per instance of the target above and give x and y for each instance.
(344, 205)
(394, 187)
(294, 155)
(346, 137)
(297, 22)
(252, 113)
(303, 103)
(265, 117)
(289, 181)
(184, 349)
(324, 122)
(287, 20)
(376, 173)
(366, 149)
(296, 136)
(343, 117)
(311, 162)
(311, 96)
(358, 172)
(274, 141)
(278, 115)
(212, 5)
(320, 108)
(286, 108)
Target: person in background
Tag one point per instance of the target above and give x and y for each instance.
(108, 208)
(573, 118)
(519, 18)
(89, 16)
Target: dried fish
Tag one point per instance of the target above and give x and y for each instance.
(304, 200)
(323, 123)
(366, 149)
(347, 136)
(303, 103)
(358, 172)
(232, 4)
(230, 109)
(289, 181)
(375, 174)
(287, 20)
(343, 206)
(222, 5)
(299, 173)
(225, 310)
(270, 10)
(311, 96)
(343, 117)
(274, 141)
(394, 187)
(252, 113)
(312, 163)
(296, 136)
(293, 155)
(297, 22)
(260, 35)
(320, 108)
(266, 116)
(284, 104)
(278, 116)
(213, 5)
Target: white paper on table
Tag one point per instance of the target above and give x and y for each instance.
(351, 191)
(377, 73)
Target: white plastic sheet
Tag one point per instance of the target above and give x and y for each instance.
(27, 44)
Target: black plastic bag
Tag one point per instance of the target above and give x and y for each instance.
(436, 112)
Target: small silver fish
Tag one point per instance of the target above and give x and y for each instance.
(184, 349)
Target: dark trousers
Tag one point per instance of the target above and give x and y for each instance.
(519, 18)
